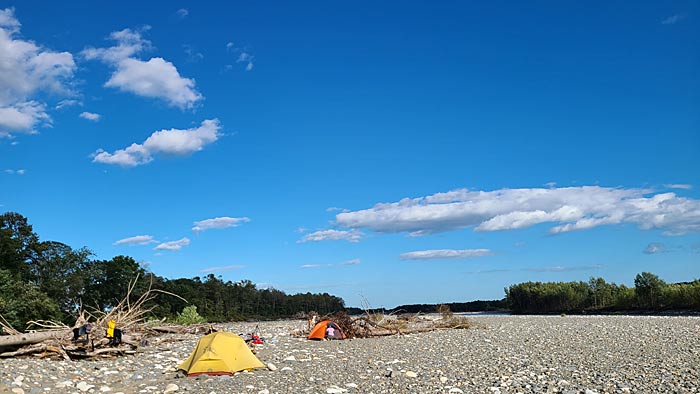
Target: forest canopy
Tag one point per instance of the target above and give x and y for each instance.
(49, 280)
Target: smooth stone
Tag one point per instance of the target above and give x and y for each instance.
(105, 389)
(290, 358)
(455, 390)
(83, 386)
(271, 367)
(17, 390)
(411, 374)
(171, 388)
(264, 391)
(443, 379)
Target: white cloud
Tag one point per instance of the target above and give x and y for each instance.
(182, 13)
(193, 55)
(90, 116)
(559, 268)
(23, 117)
(445, 254)
(246, 57)
(67, 103)
(136, 240)
(173, 245)
(488, 271)
(222, 222)
(172, 142)
(313, 266)
(570, 208)
(672, 20)
(26, 69)
(155, 78)
(336, 209)
(332, 235)
(15, 172)
(230, 46)
(8, 20)
(683, 186)
(655, 247)
(224, 268)
(344, 263)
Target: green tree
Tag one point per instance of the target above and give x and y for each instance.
(108, 281)
(648, 287)
(22, 302)
(17, 243)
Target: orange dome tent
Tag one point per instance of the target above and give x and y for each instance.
(321, 331)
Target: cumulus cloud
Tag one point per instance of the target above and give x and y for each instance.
(156, 78)
(332, 235)
(136, 240)
(90, 116)
(27, 69)
(169, 142)
(438, 254)
(349, 262)
(222, 222)
(655, 247)
(569, 208)
(224, 268)
(173, 245)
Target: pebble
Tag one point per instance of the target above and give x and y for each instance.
(508, 354)
(171, 388)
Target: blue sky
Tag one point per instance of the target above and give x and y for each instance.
(388, 154)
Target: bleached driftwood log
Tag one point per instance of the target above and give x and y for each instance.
(32, 337)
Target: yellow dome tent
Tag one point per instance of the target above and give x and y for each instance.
(220, 353)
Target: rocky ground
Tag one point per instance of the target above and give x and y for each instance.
(507, 354)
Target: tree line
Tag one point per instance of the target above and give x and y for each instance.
(49, 280)
(649, 294)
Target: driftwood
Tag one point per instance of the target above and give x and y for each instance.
(31, 338)
(56, 339)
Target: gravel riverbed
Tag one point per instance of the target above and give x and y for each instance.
(506, 354)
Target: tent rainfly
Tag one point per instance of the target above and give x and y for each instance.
(220, 353)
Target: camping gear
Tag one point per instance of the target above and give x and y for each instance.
(113, 334)
(320, 329)
(78, 332)
(220, 353)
